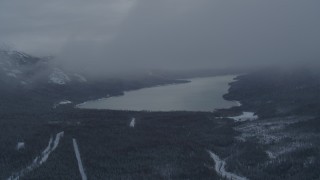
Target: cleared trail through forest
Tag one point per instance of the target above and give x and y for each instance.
(39, 160)
(77, 152)
(220, 168)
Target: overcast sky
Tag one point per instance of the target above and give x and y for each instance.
(125, 34)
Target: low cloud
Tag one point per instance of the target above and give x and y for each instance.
(121, 35)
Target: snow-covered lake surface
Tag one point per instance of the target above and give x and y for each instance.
(201, 94)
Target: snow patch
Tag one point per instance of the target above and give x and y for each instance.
(269, 131)
(271, 155)
(58, 77)
(64, 102)
(238, 103)
(20, 145)
(220, 168)
(133, 122)
(245, 116)
(272, 132)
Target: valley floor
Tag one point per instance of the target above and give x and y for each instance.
(280, 140)
(160, 146)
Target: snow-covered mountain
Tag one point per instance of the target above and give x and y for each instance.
(21, 68)
(32, 83)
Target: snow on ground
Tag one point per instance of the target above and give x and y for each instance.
(271, 155)
(81, 105)
(268, 131)
(64, 102)
(133, 122)
(58, 77)
(246, 116)
(274, 135)
(220, 168)
(20, 145)
(53, 146)
(282, 149)
(77, 152)
(42, 158)
(238, 103)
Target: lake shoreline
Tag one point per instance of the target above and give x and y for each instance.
(199, 87)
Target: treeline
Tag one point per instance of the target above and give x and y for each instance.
(278, 92)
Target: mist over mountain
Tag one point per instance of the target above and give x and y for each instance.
(119, 36)
(160, 89)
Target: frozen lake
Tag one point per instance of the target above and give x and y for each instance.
(201, 94)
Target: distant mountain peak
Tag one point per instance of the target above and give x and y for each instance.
(23, 69)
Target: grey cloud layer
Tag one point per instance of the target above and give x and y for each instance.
(111, 34)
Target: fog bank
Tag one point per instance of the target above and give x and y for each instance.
(121, 35)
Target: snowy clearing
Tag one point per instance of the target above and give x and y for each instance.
(133, 122)
(38, 161)
(246, 116)
(271, 155)
(65, 102)
(77, 152)
(61, 103)
(20, 145)
(273, 132)
(220, 168)
(268, 131)
(238, 103)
